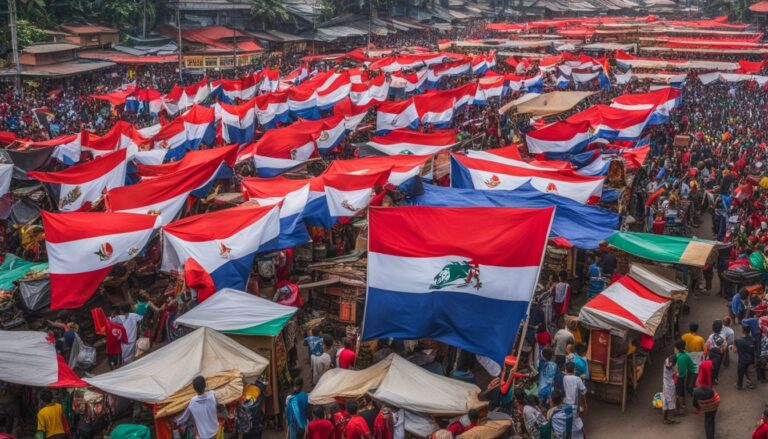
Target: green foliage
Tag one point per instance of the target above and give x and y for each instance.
(124, 15)
(29, 34)
(269, 12)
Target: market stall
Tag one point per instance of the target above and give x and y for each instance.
(623, 322)
(157, 379)
(398, 382)
(253, 322)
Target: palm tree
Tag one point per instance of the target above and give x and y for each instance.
(268, 12)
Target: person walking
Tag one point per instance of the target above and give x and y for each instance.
(296, 410)
(51, 423)
(575, 395)
(745, 352)
(669, 392)
(201, 411)
(684, 369)
(706, 400)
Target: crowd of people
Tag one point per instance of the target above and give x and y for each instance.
(718, 171)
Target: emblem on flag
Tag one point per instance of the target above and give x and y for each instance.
(164, 144)
(347, 205)
(133, 251)
(224, 251)
(70, 198)
(324, 136)
(105, 251)
(551, 187)
(493, 181)
(153, 212)
(406, 152)
(457, 274)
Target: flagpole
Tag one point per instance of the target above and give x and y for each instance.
(15, 45)
(178, 28)
(530, 300)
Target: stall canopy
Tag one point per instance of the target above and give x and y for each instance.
(651, 278)
(14, 268)
(236, 312)
(664, 248)
(548, 104)
(400, 383)
(157, 375)
(625, 305)
(29, 359)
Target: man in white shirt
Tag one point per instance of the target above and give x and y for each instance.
(130, 322)
(321, 363)
(201, 411)
(575, 395)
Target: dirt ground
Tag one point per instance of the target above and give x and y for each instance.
(739, 411)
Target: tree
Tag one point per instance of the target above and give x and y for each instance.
(269, 12)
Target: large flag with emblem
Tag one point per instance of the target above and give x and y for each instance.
(463, 276)
(560, 137)
(471, 173)
(222, 243)
(83, 246)
(76, 188)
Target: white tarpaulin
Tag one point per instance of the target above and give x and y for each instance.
(231, 310)
(27, 358)
(708, 78)
(400, 383)
(161, 373)
(657, 283)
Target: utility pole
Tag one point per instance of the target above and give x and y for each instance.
(370, 25)
(144, 21)
(15, 45)
(234, 43)
(178, 28)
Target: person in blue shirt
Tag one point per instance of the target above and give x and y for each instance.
(314, 342)
(595, 275)
(296, 410)
(579, 359)
(547, 373)
(738, 307)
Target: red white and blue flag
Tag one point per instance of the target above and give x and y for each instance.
(329, 131)
(78, 187)
(334, 88)
(302, 103)
(471, 173)
(165, 195)
(292, 196)
(376, 90)
(560, 137)
(435, 109)
(243, 88)
(222, 243)
(662, 101)
(349, 194)
(271, 108)
(403, 167)
(393, 115)
(409, 142)
(280, 150)
(614, 123)
(238, 122)
(489, 87)
(353, 114)
(444, 273)
(509, 155)
(83, 246)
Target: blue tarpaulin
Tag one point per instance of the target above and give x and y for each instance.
(583, 226)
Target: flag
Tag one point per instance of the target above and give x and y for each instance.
(6, 175)
(223, 243)
(394, 115)
(302, 103)
(661, 101)
(78, 187)
(348, 194)
(624, 78)
(463, 95)
(271, 108)
(238, 122)
(403, 167)
(67, 149)
(291, 195)
(410, 142)
(329, 132)
(333, 89)
(280, 150)
(450, 69)
(165, 195)
(376, 90)
(83, 246)
(405, 83)
(473, 173)
(489, 87)
(444, 274)
(509, 155)
(613, 123)
(559, 137)
(353, 114)
(435, 108)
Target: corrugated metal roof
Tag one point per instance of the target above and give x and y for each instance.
(49, 48)
(61, 69)
(89, 29)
